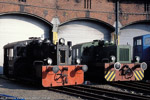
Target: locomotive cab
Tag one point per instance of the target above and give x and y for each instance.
(141, 47)
(12, 52)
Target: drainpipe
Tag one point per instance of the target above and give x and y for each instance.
(117, 20)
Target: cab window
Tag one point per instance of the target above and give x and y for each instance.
(20, 51)
(77, 52)
(10, 53)
(62, 56)
(139, 42)
(147, 41)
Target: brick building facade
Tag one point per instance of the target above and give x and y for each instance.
(67, 10)
(80, 20)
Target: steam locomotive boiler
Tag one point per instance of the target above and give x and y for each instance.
(43, 62)
(108, 62)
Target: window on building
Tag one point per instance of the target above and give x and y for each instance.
(146, 7)
(87, 4)
(22, 0)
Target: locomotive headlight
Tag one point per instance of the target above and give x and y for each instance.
(61, 41)
(143, 66)
(113, 58)
(55, 69)
(84, 68)
(49, 61)
(78, 61)
(117, 66)
(39, 41)
(47, 41)
(106, 42)
(111, 42)
(137, 58)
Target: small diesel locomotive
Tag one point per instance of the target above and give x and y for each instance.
(108, 62)
(141, 49)
(42, 62)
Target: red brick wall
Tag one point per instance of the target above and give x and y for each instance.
(131, 12)
(71, 9)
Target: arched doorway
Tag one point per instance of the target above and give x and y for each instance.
(127, 33)
(85, 30)
(17, 27)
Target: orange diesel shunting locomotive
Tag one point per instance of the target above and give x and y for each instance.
(42, 61)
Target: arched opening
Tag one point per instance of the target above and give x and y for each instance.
(128, 32)
(85, 30)
(20, 26)
(132, 30)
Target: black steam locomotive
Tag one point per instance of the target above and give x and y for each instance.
(42, 61)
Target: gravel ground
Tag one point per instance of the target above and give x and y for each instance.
(109, 87)
(29, 92)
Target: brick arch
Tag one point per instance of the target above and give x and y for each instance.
(90, 19)
(133, 29)
(136, 22)
(27, 14)
(80, 30)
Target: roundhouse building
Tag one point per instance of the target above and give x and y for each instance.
(75, 20)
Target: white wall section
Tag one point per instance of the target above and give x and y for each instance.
(79, 31)
(20, 27)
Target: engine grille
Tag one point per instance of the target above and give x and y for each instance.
(124, 54)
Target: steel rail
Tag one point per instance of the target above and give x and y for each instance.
(95, 93)
(141, 85)
(80, 93)
(131, 87)
(112, 93)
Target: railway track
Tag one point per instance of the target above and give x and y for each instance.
(143, 83)
(95, 93)
(80, 93)
(133, 86)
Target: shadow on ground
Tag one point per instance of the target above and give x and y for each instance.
(11, 84)
(15, 84)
